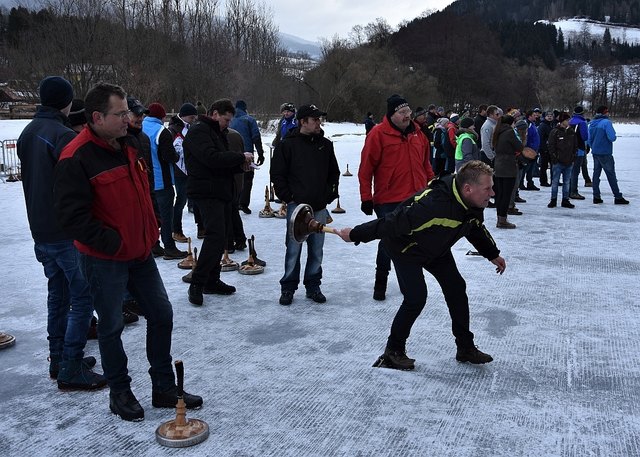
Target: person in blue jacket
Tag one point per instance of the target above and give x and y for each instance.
(248, 129)
(601, 138)
(582, 135)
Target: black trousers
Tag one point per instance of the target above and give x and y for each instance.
(503, 187)
(215, 215)
(247, 185)
(414, 291)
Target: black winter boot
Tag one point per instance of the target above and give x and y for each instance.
(380, 286)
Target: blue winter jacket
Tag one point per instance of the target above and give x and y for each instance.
(39, 148)
(582, 130)
(533, 138)
(601, 135)
(248, 129)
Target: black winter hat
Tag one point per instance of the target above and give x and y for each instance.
(578, 109)
(188, 109)
(241, 104)
(135, 106)
(394, 103)
(76, 115)
(466, 122)
(419, 112)
(56, 92)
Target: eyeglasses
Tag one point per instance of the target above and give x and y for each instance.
(122, 114)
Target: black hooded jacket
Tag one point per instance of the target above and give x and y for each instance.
(210, 163)
(426, 226)
(304, 169)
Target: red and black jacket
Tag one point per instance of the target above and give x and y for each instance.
(101, 197)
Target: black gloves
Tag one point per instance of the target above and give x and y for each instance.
(260, 158)
(367, 207)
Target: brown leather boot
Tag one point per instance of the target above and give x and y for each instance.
(504, 224)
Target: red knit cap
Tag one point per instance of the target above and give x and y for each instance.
(157, 110)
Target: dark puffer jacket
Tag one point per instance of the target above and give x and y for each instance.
(210, 163)
(39, 148)
(427, 225)
(304, 169)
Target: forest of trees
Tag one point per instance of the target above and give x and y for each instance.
(159, 50)
(473, 52)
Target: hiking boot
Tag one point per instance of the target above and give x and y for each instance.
(514, 212)
(532, 186)
(128, 317)
(597, 200)
(286, 297)
(522, 187)
(92, 333)
(169, 399)
(553, 203)
(566, 203)
(398, 359)
(588, 184)
(576, 196)
(195, 294)
(621, 201)
(125, 405)
(240, 245)
(379, 293)
(545, 184)
(157, 250)
(519, 199)
(219, 288)
(54, 365)
(472, 355)
(244, 209)
(174, 254)
(504, 224)
(132, 307)
(187, 278)
(75, 375)
(179, 237)
(380, 285)
(316, 296)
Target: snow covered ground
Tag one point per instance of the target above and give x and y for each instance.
(562, 324)
(573, 29)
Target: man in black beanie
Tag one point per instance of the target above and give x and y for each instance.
(69, 302)
(396, 162)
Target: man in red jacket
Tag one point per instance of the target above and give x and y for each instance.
(101, 196)
(396, 157)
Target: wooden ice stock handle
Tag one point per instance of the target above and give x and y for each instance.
(329, 230)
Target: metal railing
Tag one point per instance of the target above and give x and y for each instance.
(10, 166)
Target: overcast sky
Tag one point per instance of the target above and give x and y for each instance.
(314, 19)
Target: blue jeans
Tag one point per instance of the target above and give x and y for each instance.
(606, 163)
(575, 172)
(556, 170)
(313, 268)
(108, 280)
(69, 305)
(164, 198)
(181, 200)
(383, 262)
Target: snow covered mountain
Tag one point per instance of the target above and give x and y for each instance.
(296, 44)
(575, 28)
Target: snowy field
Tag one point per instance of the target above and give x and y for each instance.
(573, 28)
(562, 324)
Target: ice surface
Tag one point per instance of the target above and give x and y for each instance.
(562, 324)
